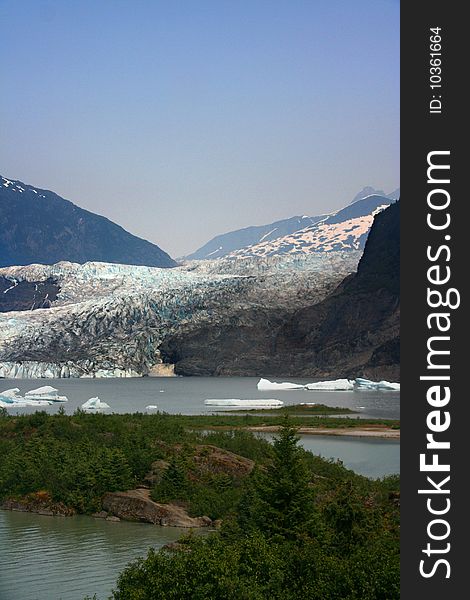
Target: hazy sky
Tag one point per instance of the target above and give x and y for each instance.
(183, 119)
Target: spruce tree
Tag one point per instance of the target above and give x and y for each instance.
(281, 497)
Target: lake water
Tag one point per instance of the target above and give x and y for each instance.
(366, 456)
(67, 558)
(56, 558)
(186, 395)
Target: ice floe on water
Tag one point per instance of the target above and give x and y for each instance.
(46, 392)
(336, 385)
(151, 407)
(366, 384)
(12, 399)
(265, 385)
(260, 403)
(95, 405)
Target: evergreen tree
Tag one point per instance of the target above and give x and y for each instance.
(280, 499)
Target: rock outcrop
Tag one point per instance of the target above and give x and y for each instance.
(355, 331)
(136, 505)
(352, 332)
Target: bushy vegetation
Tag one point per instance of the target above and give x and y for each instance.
(294, 525)
(78, 458)
(295, 534)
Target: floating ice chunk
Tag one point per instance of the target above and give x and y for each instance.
(13, 393)
(367, 384)
(335, 385)
(265, 384)
(94, 404)
(11, 399)
(261, 403)
(45, 392)
(151, 407)
(7, 401)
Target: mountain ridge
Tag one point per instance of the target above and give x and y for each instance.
(284, 236)
(39, 226)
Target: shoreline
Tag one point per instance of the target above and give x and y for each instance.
(380, 432)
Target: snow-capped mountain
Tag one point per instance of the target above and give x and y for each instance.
(229, 242)
(343, 230)
(38, 226)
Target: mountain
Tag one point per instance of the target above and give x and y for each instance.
(38, 226)
(345, 229)
(226, 243)
(317, 315)
(370, 191)
(356, 330)
(352, 332)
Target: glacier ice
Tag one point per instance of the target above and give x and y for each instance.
(13, 393)
(266, 385)
(336, 385)
(12, 399)
(366, 384)
(45, 392)
(111, 320)
(94, 404)
(242, 403)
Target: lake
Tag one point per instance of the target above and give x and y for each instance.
(366, 456)
(67, 558)
(186, 395)
(56, 558)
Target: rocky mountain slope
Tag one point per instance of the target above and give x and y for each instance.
(345, 229)
(352, 332)
(38, 226)
(356, 330)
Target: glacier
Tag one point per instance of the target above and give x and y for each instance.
(110, 320)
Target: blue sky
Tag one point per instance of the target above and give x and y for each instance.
(184, 119)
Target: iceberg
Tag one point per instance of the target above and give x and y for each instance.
(151, 407)
(265, 385)
(94, 404)
(366, 384)
(13, 393)
(45, 392)
(337, 385)
(261, 403)
(11, 399)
